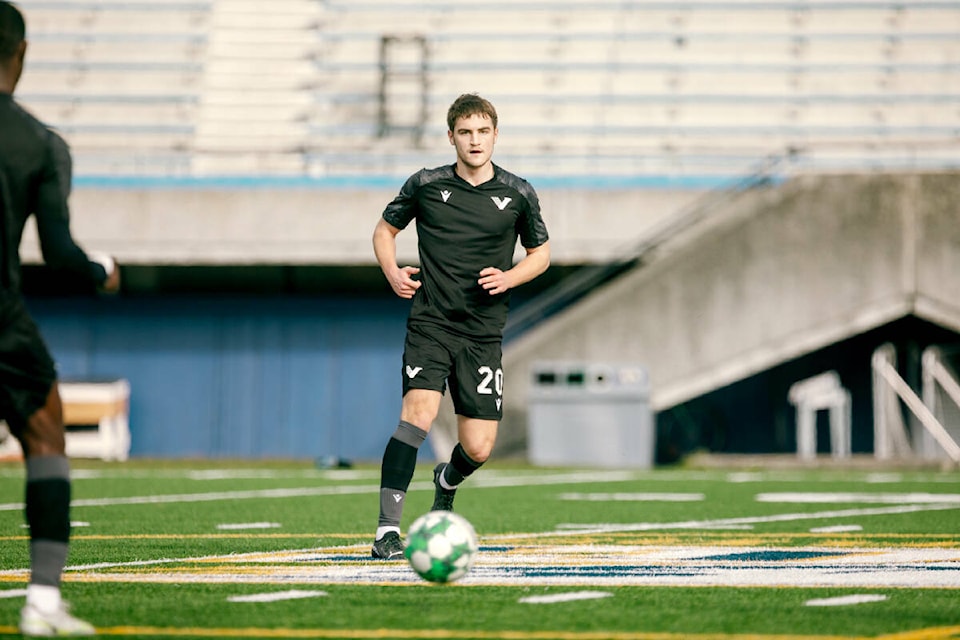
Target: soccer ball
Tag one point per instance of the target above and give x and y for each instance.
(441, 546)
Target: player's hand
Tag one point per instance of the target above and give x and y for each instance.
(402, 282)
(109, 264)
(494, 281)
(112, 283)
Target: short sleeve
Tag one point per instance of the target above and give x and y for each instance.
(403, 208)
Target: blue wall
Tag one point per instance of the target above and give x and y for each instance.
(240, 377)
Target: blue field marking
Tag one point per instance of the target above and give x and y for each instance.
(774, 555)
(384, 181)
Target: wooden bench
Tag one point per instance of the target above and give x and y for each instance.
(96, 416)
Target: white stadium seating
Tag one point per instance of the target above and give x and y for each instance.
(180, 85)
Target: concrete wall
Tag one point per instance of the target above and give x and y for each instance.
(243, 224)
(935, 203)
(774, 275)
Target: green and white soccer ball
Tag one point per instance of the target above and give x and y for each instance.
(441, 546)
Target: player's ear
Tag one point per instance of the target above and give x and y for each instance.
(18, 61)
(450, 136)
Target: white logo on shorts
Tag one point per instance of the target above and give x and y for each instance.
(413, 371)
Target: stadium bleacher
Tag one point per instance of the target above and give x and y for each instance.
(121, 80)
(202, 88)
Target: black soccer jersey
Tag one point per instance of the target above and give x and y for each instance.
(35, 170)
(461, 230)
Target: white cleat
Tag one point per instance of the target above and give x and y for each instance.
(50, 624)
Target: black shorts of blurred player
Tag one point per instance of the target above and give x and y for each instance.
(27, 371)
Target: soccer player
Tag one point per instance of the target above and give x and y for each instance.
(469, 216)
(35, 178)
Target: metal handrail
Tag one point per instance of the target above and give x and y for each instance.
(885, 370)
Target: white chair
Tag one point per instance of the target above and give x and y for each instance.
(821, 392)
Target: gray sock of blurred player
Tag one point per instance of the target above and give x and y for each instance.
(396, 471)
(460, 467)
(48, 515)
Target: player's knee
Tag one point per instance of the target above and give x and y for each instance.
(43, 435)
(479, 452)
(420, 419)
(45, 445)
(419, 414)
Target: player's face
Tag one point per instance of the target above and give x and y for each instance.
(474, 138)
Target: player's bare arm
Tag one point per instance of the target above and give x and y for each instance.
(533, 264)
(385, 248)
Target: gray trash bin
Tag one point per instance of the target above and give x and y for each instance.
(590, 414)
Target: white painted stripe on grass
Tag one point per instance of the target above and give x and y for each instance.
(578, 529)
(215, 496)
(160, 561)
(745, 476)
(838, 528)
(565, 597)
(884, 478)
(829, 497)
(202, 475)
(300, 492)
(633, 497)
(842, 601)
(277, 596)
(248, 525)
(13, 593)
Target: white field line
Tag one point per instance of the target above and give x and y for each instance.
(577, 529)
(277, 596)
(829, 497)
(228, 526)
(841, 601)
(213, 496)
(565, 597)
(300, 492)
(838, 528)
(632, 497)
(159, 561)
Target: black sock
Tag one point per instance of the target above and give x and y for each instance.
(460, 467)
(48, 515)
(396, 471)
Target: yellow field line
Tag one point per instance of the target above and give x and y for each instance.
(942, 633)
(738, 538)
(937, 633)
(933, 633)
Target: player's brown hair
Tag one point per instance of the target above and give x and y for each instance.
(469, 104)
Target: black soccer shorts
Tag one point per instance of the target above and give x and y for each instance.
(27, 371)
(433, 358)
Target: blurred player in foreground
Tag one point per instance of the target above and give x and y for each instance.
(35, 174)
(469, 216)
